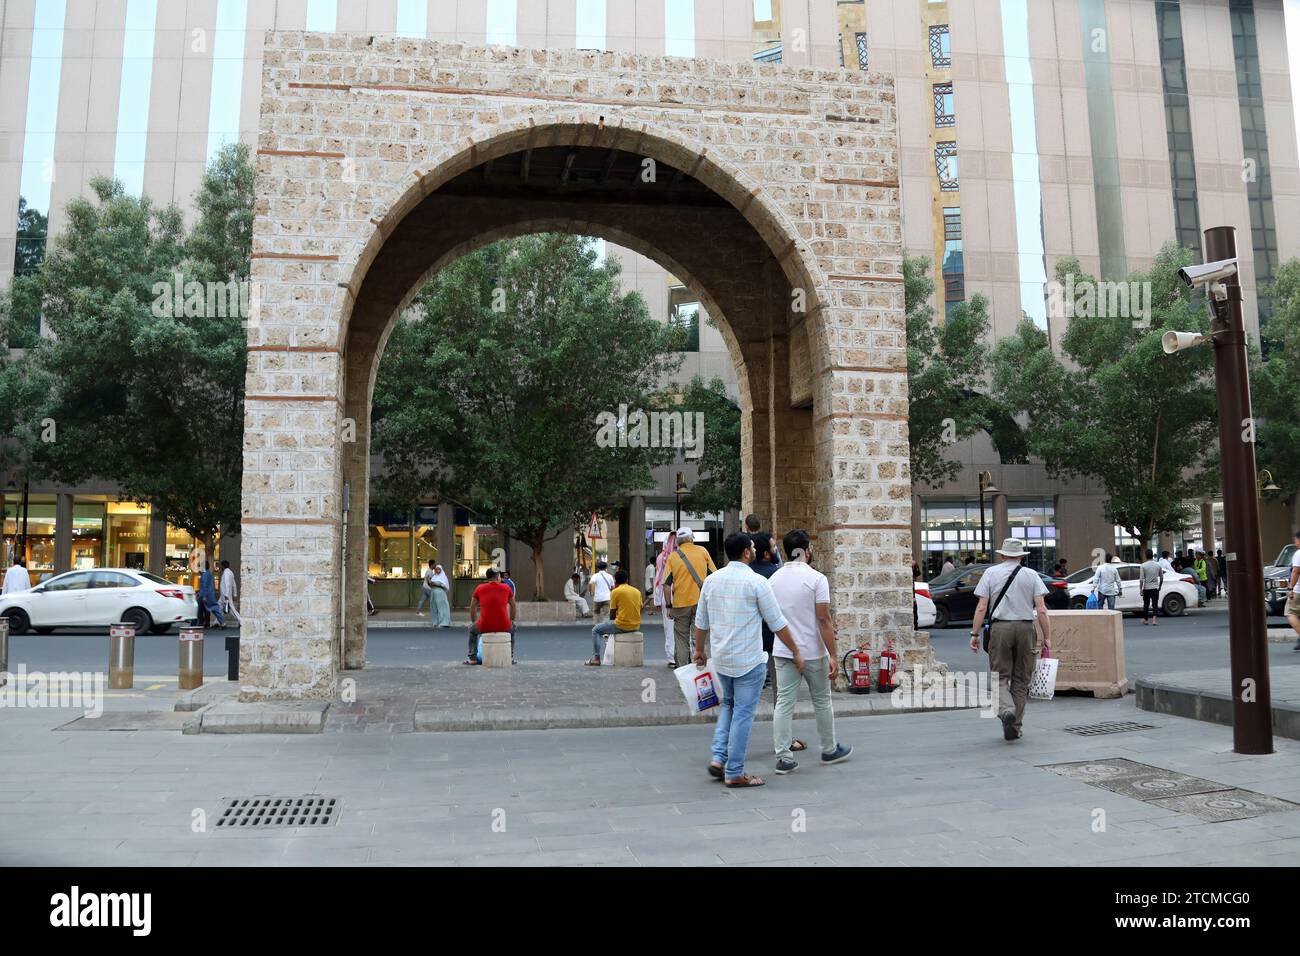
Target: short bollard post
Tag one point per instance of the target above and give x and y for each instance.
(629, 648)
(121, 656)
(232, 657)
(4, 651)
(191, 665)
(496, 649)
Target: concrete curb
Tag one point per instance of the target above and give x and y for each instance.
(1215, 707)
(440, 720)
(271, 717)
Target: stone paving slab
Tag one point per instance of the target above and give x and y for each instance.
(1206, 695)
(264, 717)
(540, 695)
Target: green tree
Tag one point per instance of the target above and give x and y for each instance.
(142, 393)
(489, 394)
(1275, 383)
(718, 485)
(946, 371)
(1112, 406)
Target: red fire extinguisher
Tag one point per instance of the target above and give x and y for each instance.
(888, 664)
(857, 666)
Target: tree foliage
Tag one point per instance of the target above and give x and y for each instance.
(1276, 384)
(946, 372)
(488, 393)
(1112, 406)
(718, 485)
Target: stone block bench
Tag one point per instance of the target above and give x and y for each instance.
(496, 649)
(629, 649)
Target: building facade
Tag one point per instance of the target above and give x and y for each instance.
(1029, 131)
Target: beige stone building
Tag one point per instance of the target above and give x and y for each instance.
(1029, 130)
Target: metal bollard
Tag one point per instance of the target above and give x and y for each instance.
(191, 665)
(121, 656)
(4, 651)
(232, 657)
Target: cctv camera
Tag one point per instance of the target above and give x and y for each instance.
(1208, 272)
(1173, 342)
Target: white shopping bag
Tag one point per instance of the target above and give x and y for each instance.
(1042, 686)
(607, 657)
(699, 686)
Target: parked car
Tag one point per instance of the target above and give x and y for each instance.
(954, 594)
(925, 610)
(1277, 578)
(99, 598)
(1177, 593)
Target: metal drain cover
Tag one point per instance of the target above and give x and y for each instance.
(1108, 727)
(268, 813)
(1226, 805)
(1160, 784)
(1095, 771)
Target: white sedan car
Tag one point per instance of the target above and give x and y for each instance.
(1176, 594)
(925, 610)
(99, 598)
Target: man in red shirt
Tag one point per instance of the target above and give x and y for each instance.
(491, 610)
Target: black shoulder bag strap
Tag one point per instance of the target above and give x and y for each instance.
(988, 621)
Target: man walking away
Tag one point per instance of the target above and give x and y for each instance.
(625, 615)
(804, 596)
(687, 568)
(1292, 609)
(753, 528)
(663, 597)
(602, 583)
(764, 565)
(208, 596)
(1201, 570)
(229, 591)
(491, 610)
(1222, 564)
(17, 578)
(1015, 599)
(732, 606)
(1105, 583)
(571, 595)
(426, 591)
(1152, 578)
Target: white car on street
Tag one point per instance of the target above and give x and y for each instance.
(925, 610)
(1176, 594)
(98, 598)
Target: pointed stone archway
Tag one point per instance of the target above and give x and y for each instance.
(772, 192)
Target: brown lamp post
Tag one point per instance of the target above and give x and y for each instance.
(1252, 716)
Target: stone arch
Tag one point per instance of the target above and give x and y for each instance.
(373, 155)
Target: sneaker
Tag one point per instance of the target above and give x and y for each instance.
(1009, 729)
(786, 766)
(840, 752)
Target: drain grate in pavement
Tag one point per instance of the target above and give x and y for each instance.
(1180, 792)
(1108, 727)
(266, 813)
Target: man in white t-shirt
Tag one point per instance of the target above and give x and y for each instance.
(16, 578)
(805, 599)
(602, 583)
(1292, 609)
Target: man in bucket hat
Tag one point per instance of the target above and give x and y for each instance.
(1015, 595)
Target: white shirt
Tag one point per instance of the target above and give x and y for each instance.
(799, 588)
(439, 579)
(1018, 605)
(1167, 565)
(228, 586)
(570, 591)
(735, 602)
(16, 579)
(1106, 580)
(601, 584)
(1295, 563)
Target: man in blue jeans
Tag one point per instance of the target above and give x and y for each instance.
(734, 604)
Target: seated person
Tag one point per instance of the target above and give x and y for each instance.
(572, 587)
(624, 615)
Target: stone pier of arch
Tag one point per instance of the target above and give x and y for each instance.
(779, 208)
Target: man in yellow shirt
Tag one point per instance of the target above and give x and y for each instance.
(624, 615)
(685, 572)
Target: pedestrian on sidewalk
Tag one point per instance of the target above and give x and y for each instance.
(1166, 564)
(753, 528)
(1152, 578)
(229, 591)
(766, 566)
(426, 591)
(804, 596)
(1222, 563)
(625, 615)
(1201, 570)
(729, 614)
(440, 609)
(688, 567)
(602, 583)
(1105, 583)
(663, 597)
(947, 565)
(1011, 601)
(208, 606)
(16, 578)
(571, 588)
(1292, 608)
(492, 610)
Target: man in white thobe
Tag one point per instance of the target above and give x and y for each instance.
(16, 578)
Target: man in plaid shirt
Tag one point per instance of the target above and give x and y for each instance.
(734, 603)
